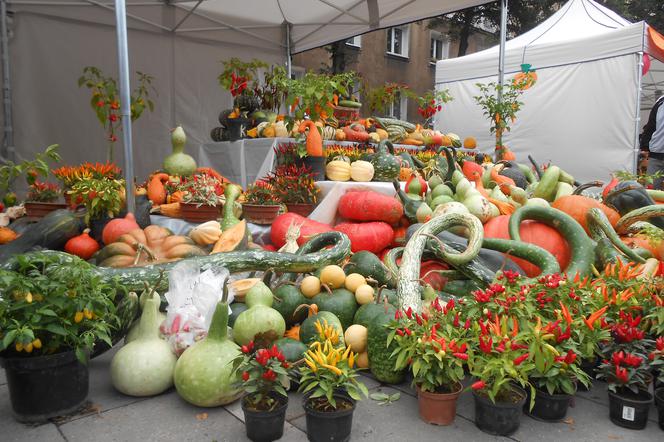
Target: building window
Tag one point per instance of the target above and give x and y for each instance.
(440, 47)
(355, 41)
(397, 41)
(399, 107)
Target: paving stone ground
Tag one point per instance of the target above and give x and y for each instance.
(112, 416)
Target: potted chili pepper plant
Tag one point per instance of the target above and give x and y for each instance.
(261, 205)
(102, 198)
(295, 186)
(51, 315)
(329, 383)
(656, 358)
(265, 380)
(435, 351)
(202, 198)
(41, 199)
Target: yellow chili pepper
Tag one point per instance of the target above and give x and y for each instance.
(78, 317)
(37, 343)
(351, 360)
(19, 347)
(311, 365)
(28, 347)
(28, 298)
(346, 353)
(552, 349)
(548, 336)
(332, 368)
(87, 313)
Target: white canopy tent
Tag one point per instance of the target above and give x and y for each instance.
(179, 42)
(583, 113)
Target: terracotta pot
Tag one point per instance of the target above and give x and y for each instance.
(346, 115)
(438, 408)
(199, 214)
(301, 209)
(39, 210)
(259, 214)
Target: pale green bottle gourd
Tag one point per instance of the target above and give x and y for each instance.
(178, 162)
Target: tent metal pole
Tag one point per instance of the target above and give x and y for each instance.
(8, 143)
(501, 53)
(289, 61)
(637, 112)
(125, 109)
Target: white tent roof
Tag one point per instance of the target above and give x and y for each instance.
(581, 30)
(260, 23)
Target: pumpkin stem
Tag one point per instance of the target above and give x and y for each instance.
(579, 190)
(538, 170)
(313, 309)
(327, 288)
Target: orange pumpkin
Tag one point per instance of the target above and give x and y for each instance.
(577, 206)
(314, 139)
(470, 143)
(154, 244)
(532, 232)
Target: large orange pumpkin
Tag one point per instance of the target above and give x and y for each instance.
(532, 232)
(577, 206)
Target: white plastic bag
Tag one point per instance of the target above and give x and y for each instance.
(192, 298)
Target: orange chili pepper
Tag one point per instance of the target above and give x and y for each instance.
(565, 312)
(515, 326)
(594, 317)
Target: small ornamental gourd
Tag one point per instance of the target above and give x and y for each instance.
(145, 366)
(386, 164)
(206, 234)
(361, 171)
(338, 170)
(204, 374)
(260, 318)
(178, 162)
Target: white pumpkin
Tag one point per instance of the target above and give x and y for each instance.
(338, 170)
(361, 171)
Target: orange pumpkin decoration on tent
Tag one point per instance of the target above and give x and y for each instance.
(526, 78)
(470, 143)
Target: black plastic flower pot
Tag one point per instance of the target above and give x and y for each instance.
(43, 387)
(659, 402)
(588, 366)
(265, 426)
(548, 407)
(630, 410)
(501, 418)
(328, 426)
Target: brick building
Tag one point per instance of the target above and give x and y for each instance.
(404, 54)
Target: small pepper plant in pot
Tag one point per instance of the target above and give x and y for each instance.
(51, 315)
(202, 198)
(435, 351)
(265, 380)
(295, 186)
(331, 388)
(262, 204)
(41, 198)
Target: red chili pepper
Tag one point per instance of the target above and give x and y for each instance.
(456, 320)
(521, 358)
(460, 356)
(478, 385)
(269, 375)
(245, 376)
(418, 319)
(245, 349)
(570, 357)
(409, 313)
(408, 332)
(621, 374)
(400, 332)
(467, 324)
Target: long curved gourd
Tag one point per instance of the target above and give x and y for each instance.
(532, 253)
(583, 248)
(597, 220)
(640, 214)
(408, 286)
(315, 254)
(579, 189)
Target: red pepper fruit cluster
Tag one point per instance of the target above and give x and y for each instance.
(520, 359)
(551, 281)
(568, 359)
(245, 376)
(270, 375)
(510, 275)
(627, 329)
(238, 84)
(248, 348)
(626, 359)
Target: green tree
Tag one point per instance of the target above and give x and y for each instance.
(651, 11)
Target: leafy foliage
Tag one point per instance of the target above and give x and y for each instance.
(47, 307)
(9, 170)
(263, 373)
(101, 197)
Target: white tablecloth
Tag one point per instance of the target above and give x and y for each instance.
(244, 161)
(331, 192)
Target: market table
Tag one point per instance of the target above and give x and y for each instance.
(244, 161)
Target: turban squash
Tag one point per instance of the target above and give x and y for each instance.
(152, 245)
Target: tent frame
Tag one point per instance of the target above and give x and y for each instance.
(118, 7)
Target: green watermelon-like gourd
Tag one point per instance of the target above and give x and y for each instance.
(381, 361)
(292, 349)
(287, 299)
(341, 302)
(386, 164)
(368, 312)
(308, 332)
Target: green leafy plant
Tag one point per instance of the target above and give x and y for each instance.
(105, 100)
(264, 373)
(101, 197)
(239, 76)
(385, 398)
(430, 103)
(328, 369)
(644, 179)
(431, 346)
(379, 98)
(48, 307)
(10, 171)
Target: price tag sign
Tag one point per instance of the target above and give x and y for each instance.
(628, 413)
